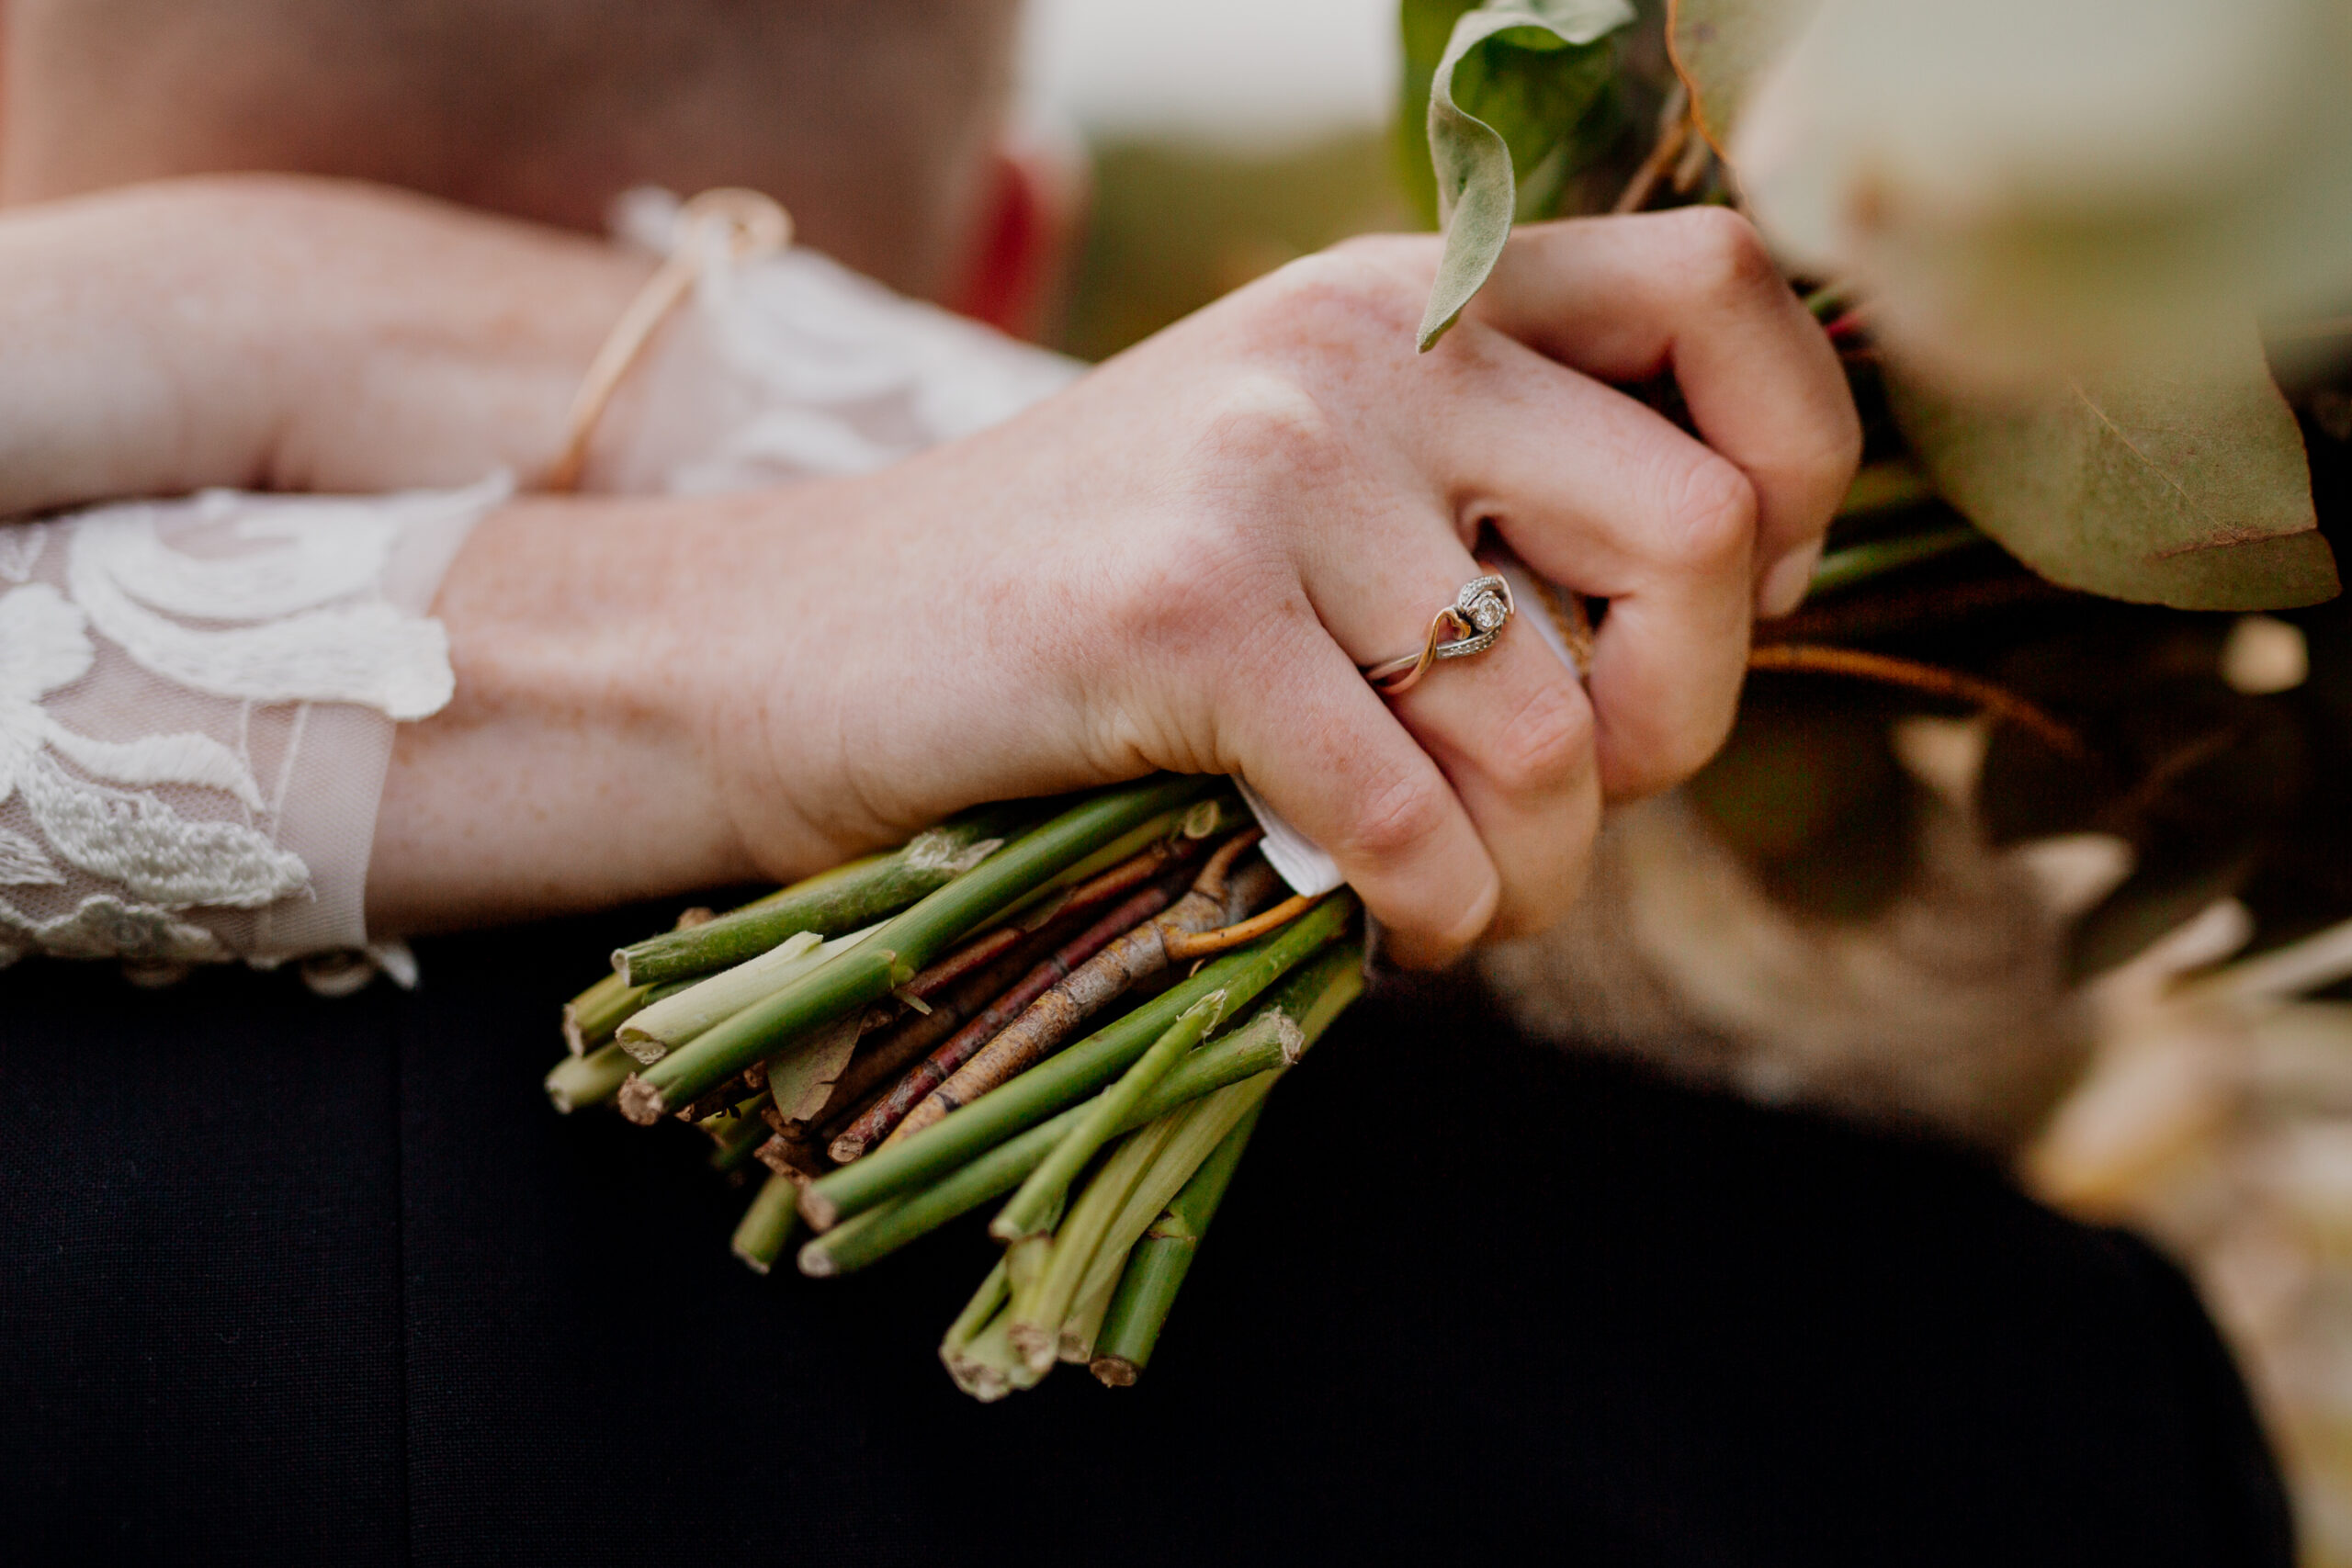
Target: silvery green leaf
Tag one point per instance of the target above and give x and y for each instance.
(1516, 79)
(2185, 487)
(1424, 26)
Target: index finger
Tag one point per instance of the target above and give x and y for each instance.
(1694, 292)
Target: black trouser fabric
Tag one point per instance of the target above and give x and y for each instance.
(290, 1279)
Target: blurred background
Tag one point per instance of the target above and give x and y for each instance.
(1227, 136)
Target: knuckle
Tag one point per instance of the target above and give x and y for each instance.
(1708, 520)
(1545, 744)
(1347, 298)
(1397, 816)
(1721, 254)
(1261, 427)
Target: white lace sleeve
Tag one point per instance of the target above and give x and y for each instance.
(197, 703)
(796, 367)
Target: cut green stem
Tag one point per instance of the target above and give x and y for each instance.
(589, 1018)
(987, 1369)
(1038, 1310)
(985, 1305)
(1273, 1040)
(591, 1080)
(1059, 1081)
(1126, 960)
(1026, 1214)
(663, 1026)
(1195, 1134)
(1188, 823)
(1158, 1264)
(767, 1225)
(830, 903)
(921, 1079)
(736, 1135)
(901, 950)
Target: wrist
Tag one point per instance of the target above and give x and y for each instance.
(571, 770)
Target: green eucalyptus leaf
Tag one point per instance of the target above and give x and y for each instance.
(1516, 79)
(2187, 487)
(1722, 47)
(1426, 27)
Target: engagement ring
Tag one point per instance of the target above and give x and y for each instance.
(1468, 625)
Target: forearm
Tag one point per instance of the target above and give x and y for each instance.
(276, 333)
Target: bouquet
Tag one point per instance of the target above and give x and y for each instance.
(1081, 1004)
(2078, 450)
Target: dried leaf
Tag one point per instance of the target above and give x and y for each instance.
(1722, 47)
(801, 1078)
(1517, 79)
(2186, 488)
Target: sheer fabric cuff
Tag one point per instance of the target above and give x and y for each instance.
(196, 704)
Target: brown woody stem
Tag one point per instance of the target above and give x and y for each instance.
(1886, 671)
(935, 1069)
(1054, 1016)
(903, 948)
(1184, 946)
(1673, 130)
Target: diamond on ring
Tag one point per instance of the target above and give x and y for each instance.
(1469, 625)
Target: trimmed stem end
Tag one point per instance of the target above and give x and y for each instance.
(640, 1101)
(822, 1212)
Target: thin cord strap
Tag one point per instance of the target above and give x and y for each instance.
(741, 225)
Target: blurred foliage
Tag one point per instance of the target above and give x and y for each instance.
(1175, 226)
(1809, 792)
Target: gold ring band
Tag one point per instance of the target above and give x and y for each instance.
(1467, 628)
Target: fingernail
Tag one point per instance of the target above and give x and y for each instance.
(1784, 586)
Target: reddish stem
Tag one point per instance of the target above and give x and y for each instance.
(1882, 669)
(935, 1069)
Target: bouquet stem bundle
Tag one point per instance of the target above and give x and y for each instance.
(1079, 1004)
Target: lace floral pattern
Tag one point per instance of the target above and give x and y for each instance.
(181, 688)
